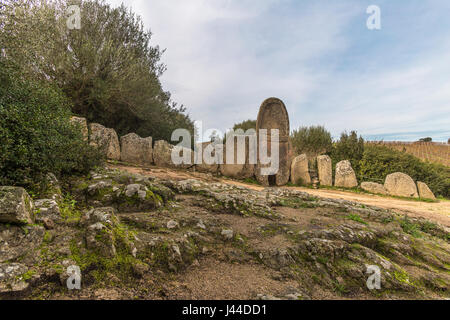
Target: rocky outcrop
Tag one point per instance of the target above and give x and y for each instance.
(213, 221)
(345, 176)
(425, 192)
(325, 170)
(11, 277)
(100, 224)
(162, 155)
(47, 211)
(136, 150)
(106, 139)
(300, 171)
(373, 187)
(402, 185)
(16, 206)
(82, 124)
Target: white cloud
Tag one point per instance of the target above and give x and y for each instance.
(225, 57)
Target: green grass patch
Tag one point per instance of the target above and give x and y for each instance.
(356, 218)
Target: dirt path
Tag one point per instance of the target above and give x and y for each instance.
(439, 211)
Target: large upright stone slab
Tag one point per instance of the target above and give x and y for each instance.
(325, 171)
(234, 167)
(273, 115)
(162, 155)
(16, 206)
(202, 150)
(345, 176)
(136, 150)
(425, 192)
(106, 139)
(402, 185)
(82, 123)
(300, 170)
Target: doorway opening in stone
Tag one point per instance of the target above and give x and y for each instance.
(273, 180)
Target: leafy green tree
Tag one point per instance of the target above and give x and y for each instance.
(313, 141)
(349, 147)
(107, 68)
(36, 134)
(245, 125)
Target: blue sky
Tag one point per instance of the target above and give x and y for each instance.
(225, 57)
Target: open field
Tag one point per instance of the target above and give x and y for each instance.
(426, 151)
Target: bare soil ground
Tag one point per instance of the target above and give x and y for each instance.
(436, 211)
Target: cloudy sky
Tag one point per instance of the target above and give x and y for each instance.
(225, 57)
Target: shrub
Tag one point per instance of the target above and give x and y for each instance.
(245, 125)
(313, 141)
(380, 161)
(36, 134)
(349, 147)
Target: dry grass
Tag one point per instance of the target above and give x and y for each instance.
(426, 151)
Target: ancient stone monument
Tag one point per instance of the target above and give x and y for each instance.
(233, 167)
(325, 171)
(202, 166)
(345, 175)
(373, 187)
(273, 115)
(300, 171)
(402, 185)
(106, 139)
(425, 192)
(162, 155)
(137, 150)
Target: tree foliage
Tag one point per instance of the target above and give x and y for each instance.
(36, 134)
(313, 141)
(107, 68)
(349, 147)
(245, 125)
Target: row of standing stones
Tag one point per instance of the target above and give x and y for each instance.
(396, 184)
(136, 150)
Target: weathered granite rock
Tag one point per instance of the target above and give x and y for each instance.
(345, 175)
(208, 148)
(240, 167)
(136, 150)
(106, 139)
(425, 192)
(325, 170)
(402, 185)
(46, 209)
(300, 170)
(82, 123)
(99, 234)
(16, 206)
(373, 187)
(20, 242)
(105, 215)
(273, 115)
(162, 155)
(138, 197)
(10, 278)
